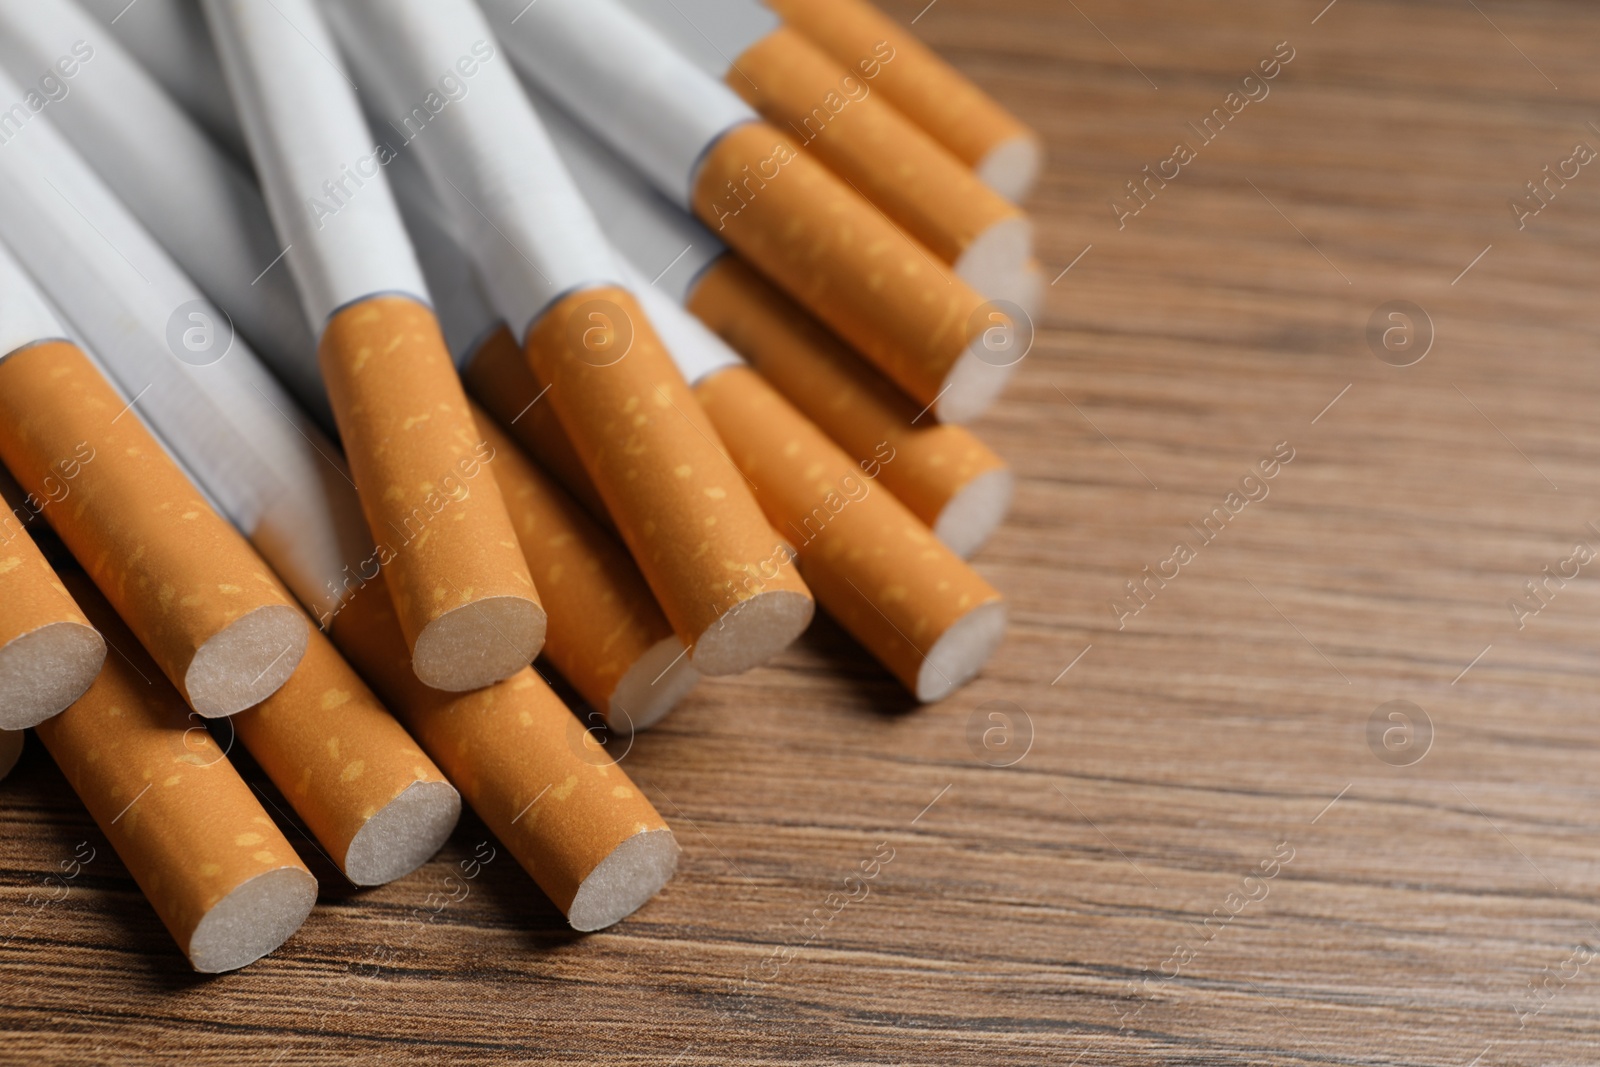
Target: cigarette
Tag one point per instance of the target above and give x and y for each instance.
(490, 360)
(607, 636)
(661, 238)
(801, 225)
(49, 654)
(922, 612)
(470, 610)
(153, 333)
(686, 513)
(466, 602)
(831, 109)
(218, 872)
(950, 479)
(679, 504)
(321, 556)
(220, 625)
(819, 241)
(1006, 154)
(576, 823)
(370, 796)
(376, 804)
(498, 377)
(10, 750)
(952, 482)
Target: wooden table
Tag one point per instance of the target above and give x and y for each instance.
(1220, 846)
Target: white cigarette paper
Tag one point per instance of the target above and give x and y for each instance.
(237, 267)
(320, 168)
(609, 68)
(487, 157)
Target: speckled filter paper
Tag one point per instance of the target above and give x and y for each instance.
(924, 189)
(493, 367)
(682, 507)
(527, 766)
(603, 619)
(874, 567)
(174, 569)
(605, 632)
(932, 461)
(426, 489)
(500, 379)
(333, 750)
(48, 651)
(184, 823)
(935, 463)
(922, 86)
(831, 250)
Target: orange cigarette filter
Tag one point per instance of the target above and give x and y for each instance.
(1006, 154)
(687, 516)
(466, 603)
(951, 481)
(370, 796)
(499, 378)
(922, 612)
(220, 624)
(226, 883)
(893, 162)
(49, 654)
(532, 772)
(607, 635)
(827, 247)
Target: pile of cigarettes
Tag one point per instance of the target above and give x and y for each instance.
(642, 327)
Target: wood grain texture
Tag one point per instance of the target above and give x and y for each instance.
(1032, 913)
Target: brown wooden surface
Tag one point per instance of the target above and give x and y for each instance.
(1024, 910)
